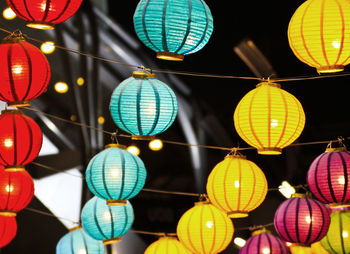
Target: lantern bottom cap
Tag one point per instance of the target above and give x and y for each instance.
(42, 25)
(140, 137)
(330, 69)
(115, 146)
(270, 151)
(18, 104)
(116, 202)
(170, 56)
(112, 240)
(237, 214)
(18, 168)
(8, 213)
(339, 205)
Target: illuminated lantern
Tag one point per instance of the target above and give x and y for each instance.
(337, 240)
(20, 140)
(167, 245)
(115, 175)
(78, 242)
(24, 72)
(317, 248)
(237, 186)
(318, 34)
(107, 223)
(143, 106)
(8, 229)
(269, 118)
(301, 220)
(205, 229)
(173, 28)
(44, 14)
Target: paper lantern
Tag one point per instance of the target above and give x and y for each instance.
(167, 245)
(205, 229)
(236, 186)
(317, 248)
(24, 72)
(337, 240)
(301, 220)
(143, 106)
(8, 229)
(115, 175)
(173, 28)
(78, 242)
(20, 140)
(328, 177)
(318, 34)
(107, 223)
(44, 14)
(269, 118)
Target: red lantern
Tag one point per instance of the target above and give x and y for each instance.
(24, 72)
(44, 14)
(20, 140)
(8, 229)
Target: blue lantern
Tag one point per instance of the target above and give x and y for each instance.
(78, 242)
(115, 175)
(173, 28)
(107, 223)
(143, 106)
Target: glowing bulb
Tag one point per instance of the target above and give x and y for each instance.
(9, 188)
(115, 172)
(308, 219)
(155, 145)
(274, 123)
(266, 251)
(237, 184)
(240, 242)
(80, 81)
(336, 44)
(61, 87)
(133, 150)
(8, 143)
(73, 118)
(341, 180)
(345, 234)
(48, 47)
(17, 69)
(8, 14)
(288, 244)
(151, 109)
(286, 189)
(101, 120)
(209, 224)
(82, 251)
(107, 216)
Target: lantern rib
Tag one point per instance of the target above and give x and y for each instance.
(329, 158)
(310, 224)
(188, 28)
(164, 41)
(62, 12)
(323, 220)
(201, 230)
(222, 245)
(341, 232)
(30, 143)
(10, 72)
(97, 222)
(16, 9)
(322, 33)
(47, 9)
(343, 31)
(157, 98)
(30, 71)
(346, 181)
(144, 26)
(136, 182)
(286, 118)
(214, 234)
(103, 172)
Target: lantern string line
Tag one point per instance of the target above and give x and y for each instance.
(49, 214)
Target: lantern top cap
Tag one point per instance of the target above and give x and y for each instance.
(340, 148)
(14, 37)
(115, 146)
(235, 154)
(268, 83)
(11, 111)
(143, 75)
(75, 228)
(261, 231)
(301, 195)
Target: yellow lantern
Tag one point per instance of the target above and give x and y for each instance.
(317, 248)
(236, 186)
(269, 118)
(205, 229)
(167, 245)
(319, 34)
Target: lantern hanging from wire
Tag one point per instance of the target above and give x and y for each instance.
(8, 228)
(236, 186)
(44, 14)
(115, 175)
(107, 223)
(24, 72)
(205, 229)
(318, 34)
(173, 28)
(269, 118)
(167, 245)
(143, 106)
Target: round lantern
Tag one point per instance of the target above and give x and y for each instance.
(269, 118)
(24, 72)
(115, 175)
(78, 242)
(236, 186)
(173, 28)
(301, 220)
(44, 14)
(20, 140)
(143, 106)
(107, 223)
(337, 240)
(16, 190)
(205, 229)
(8, 229)
(167, 245)
(329, 177)
(317, 248)
(318, 34)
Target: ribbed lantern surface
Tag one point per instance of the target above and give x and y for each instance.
(143, 106)
(269, 118)
(205, 229)
(8, 229)
(236, 186)
(319, 35)
(173, 28)
(167, 245)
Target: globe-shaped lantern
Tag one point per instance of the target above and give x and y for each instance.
(20, 140)
(167, 245)
(78, 242)
(236, 186)
(107, 223)
(143, 106)
(44, 14)
(269, 118)
(173, 28)
(301, 220)
(329, 177)
(8, 229)
(318, 34)
(24, 72)
(115, 175)
(205, 229)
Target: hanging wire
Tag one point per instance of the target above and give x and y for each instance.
(49, 214)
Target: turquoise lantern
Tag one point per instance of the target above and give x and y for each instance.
(78, 242)
(115, 175)
(143, 106)
(173, 28)
(107, 223)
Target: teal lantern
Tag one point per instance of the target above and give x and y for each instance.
(143, 106)
(78, 242)
(173, 28)
(115, 175)
(107, 223)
